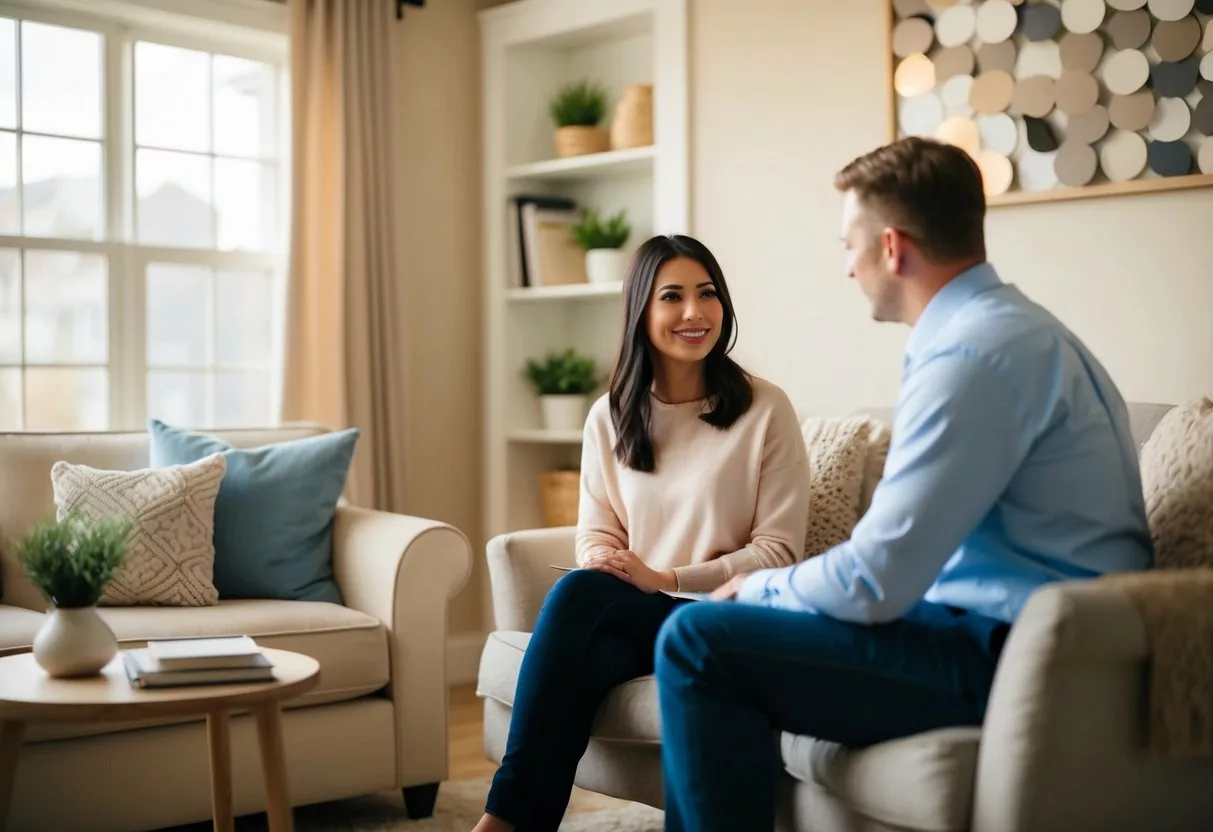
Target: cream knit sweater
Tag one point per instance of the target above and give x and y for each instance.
(720, 502)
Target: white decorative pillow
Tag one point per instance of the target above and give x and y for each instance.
(1177, 481)
(838, 451)
(171, 559)
(873, 466)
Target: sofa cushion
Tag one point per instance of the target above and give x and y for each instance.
(628, 715)
(26, 496)
(274, 514)
(352, 647)
(924, 782)
(17, 629)
(170, 558)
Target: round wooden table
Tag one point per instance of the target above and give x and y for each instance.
(27, 693)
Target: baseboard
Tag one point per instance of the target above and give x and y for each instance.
(463, 657)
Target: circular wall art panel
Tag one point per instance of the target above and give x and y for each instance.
(1060, 95)
(1129, 30)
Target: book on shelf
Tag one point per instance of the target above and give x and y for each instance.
(197, 661)
(542, 251)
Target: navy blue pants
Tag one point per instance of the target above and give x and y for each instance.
(593, 633)
(732, 676)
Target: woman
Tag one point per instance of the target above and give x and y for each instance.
(692, 472)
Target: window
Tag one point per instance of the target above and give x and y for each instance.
(142, 236)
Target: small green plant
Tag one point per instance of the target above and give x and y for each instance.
(71, 560)
(593, 232)
(563, 374)
(580, 104)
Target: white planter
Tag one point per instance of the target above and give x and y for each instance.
(605, 265)
(74, 642)
(564, 412)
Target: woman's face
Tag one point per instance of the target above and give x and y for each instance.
(684, 312)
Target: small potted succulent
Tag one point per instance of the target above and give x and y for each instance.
(71, 560)
(577, 109)
(563, 381)
(602, 241)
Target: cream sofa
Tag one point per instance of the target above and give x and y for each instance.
(1061, 748)
(376, 721)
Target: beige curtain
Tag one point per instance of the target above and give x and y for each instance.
(344, 365)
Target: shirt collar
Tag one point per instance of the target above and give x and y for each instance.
(955, 293)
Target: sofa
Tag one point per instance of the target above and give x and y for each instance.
(1062, 747)
(376, 721)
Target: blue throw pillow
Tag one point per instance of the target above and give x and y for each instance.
(274, 513)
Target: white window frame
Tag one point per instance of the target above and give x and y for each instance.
(246, 29)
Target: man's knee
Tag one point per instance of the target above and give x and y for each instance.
(684, 641)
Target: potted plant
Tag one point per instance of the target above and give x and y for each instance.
(602, 242)
(563, 382)
(71, 560)
(577, 109)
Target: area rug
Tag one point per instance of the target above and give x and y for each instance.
(460, 804)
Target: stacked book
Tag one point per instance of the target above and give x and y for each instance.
(202, 660)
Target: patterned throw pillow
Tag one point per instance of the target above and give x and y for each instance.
(1177, 481)
(171, 559)
(838, 451)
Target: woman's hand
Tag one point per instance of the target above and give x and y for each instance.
(625, 565)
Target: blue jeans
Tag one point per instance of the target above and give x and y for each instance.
(731, 676)
(594, 632)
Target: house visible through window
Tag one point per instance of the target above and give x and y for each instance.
(142, 245)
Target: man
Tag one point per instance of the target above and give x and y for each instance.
(1011, 466)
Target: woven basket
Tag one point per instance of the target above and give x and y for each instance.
(632, 123)
(579, 141)
(559, 492)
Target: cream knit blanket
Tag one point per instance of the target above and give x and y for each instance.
(1175, 600)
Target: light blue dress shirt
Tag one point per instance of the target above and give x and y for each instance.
(1011, 465)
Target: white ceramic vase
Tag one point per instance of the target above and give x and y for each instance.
(564, 412)
(604, 265)
(74, 642)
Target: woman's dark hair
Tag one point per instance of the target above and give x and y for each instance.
(728, 387)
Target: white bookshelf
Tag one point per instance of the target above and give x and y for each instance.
(530, 49)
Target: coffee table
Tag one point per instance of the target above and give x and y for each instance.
(27, 694)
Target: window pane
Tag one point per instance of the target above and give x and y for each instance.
(65, 308)
(245, 201)
(66, 398)
(245, 107)
(60, 80)
(247, 318)
(174, 191)
(10, 399)
(177, 398)
(243, 399)
(172, 97)
(62, 188)
(10, 307)
(8, 73)
(10, 202)
(178, 299)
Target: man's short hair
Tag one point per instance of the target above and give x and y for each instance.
(927, 189)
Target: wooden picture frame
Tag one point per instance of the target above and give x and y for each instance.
(1051, 45)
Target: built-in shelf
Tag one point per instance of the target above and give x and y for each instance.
(546, 437)
(613, 163)
(565, 292)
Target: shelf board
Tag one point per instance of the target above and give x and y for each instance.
(612, 163)
(546, 437)
(565, 292)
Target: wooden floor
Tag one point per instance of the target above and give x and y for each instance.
(467, 735)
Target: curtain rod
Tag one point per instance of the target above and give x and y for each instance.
(400, 4)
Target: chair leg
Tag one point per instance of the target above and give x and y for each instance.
(419, 800)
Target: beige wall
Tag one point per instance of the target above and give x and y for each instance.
(438, 187)
(786, 91)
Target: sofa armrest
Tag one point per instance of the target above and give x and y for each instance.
(1063, 745)
(521, 573)
(403, 571)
